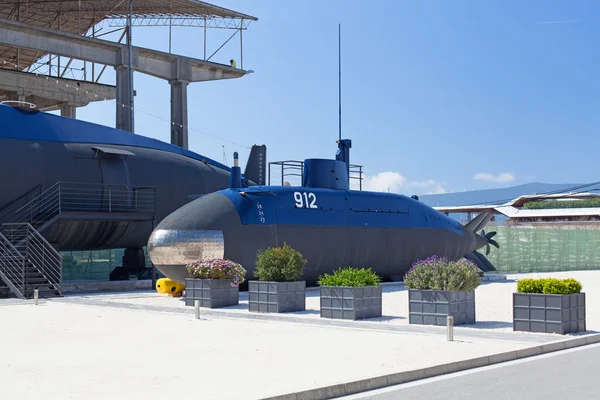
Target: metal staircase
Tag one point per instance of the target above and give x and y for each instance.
(27, 260)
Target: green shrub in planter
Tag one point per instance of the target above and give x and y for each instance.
(279, 288)
(439, 288)
(279, 264)
(549, 305)
(573, 285)
(530, 285)
(350, 277)
(351, 293)
(549, 286)
(554, 286)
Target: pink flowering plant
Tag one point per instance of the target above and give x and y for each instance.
(439, 273)
(217, 268)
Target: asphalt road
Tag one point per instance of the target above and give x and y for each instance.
(569, 374)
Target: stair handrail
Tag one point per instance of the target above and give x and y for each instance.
(25, 198)
(9, 282)
(22, 210)
(32, 200)
(56, 270)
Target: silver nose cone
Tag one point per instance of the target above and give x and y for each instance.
(180, 247)
(195, 231)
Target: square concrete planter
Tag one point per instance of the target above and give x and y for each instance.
(432, 307)
(341, 302)
(276, 297)
(212, 293)
(549, 313)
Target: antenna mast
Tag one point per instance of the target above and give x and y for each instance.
(343, 153)
(340, 77)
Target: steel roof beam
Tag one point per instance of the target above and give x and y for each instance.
(152, 62)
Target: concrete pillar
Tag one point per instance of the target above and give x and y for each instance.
(179, 113)
(123, 98)
(68, 110)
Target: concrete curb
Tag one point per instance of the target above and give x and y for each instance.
(345, 389)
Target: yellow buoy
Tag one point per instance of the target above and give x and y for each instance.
(166, 285)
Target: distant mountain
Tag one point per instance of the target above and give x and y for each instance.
(497, 196)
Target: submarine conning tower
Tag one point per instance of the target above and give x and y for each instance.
(327, 173)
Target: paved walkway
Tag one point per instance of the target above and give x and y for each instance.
(89, 348)
(144, 345)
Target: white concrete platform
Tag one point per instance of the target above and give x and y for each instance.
(493, 303)
(147, 346)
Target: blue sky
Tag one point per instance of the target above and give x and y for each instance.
(438, 96)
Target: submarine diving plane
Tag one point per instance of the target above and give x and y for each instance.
(331, 225)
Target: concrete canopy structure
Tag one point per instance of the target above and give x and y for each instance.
(35, 30)
(44, 93)
(78, 17)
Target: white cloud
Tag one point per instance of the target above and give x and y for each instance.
(487, 177)
(396, 183)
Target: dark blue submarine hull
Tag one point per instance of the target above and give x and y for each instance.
(229, 225)
(44, 163)
(37, 150)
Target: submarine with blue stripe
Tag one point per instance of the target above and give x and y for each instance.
(331, 225)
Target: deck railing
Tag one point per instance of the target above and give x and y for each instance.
(81, 198)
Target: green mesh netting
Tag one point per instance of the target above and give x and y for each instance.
(531, 249)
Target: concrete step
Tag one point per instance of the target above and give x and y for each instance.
(40, 288)
(17, 265)
(36, 281)
(33, 275)
(29, 272)
(43, 295)
(29, 267)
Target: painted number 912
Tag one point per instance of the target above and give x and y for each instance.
(305, 200)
